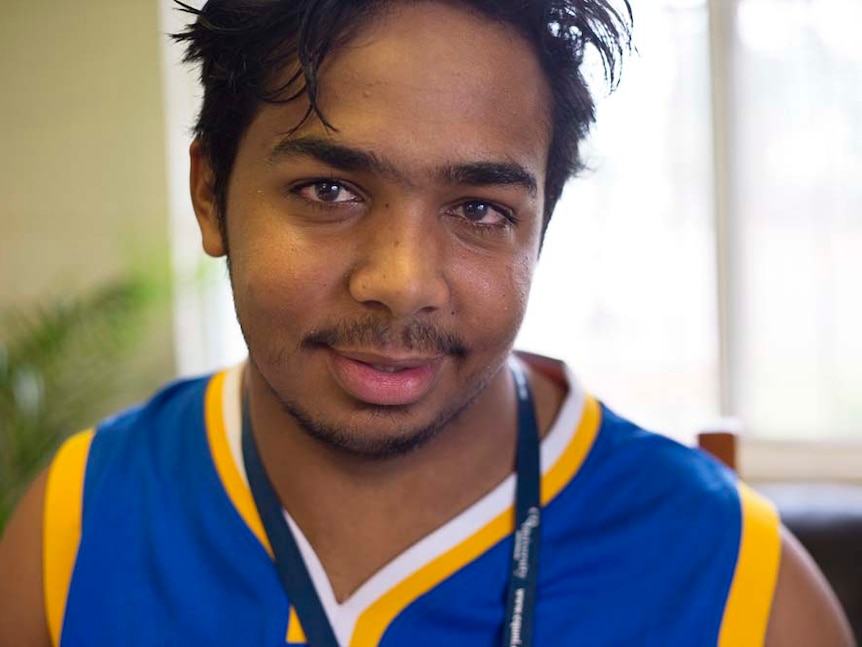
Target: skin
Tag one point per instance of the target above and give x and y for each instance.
(394, 249)
(369, 255)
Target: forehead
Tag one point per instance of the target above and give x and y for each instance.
(425, 83)
(444, 54)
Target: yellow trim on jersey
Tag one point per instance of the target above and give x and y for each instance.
(376, 619)
(61, 530)
(295, 632)
(746, 614)
(372, 624)
(556, 478)
(230, 477)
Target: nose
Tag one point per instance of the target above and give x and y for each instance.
(400, 265)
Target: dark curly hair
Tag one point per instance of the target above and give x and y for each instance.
(244, 46)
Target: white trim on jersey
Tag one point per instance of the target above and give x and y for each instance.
(343, 617)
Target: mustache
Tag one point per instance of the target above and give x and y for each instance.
(372, 332)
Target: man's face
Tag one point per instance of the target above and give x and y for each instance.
(381, 270)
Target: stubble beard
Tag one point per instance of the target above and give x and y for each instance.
(354, 440)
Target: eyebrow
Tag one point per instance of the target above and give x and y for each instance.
(490, 174)
(343, 158)
(349, 159)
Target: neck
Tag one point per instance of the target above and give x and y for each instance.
(358, 512)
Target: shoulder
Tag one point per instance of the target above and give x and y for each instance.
(659, 491)
(805, 611)
(671, 492)
(38, 545)
(174, 400)
(776, 586)
(663, 468)
(154, 433)
(22, 612)
(727, 535)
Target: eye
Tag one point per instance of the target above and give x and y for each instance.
(480, 212)
(327, 191)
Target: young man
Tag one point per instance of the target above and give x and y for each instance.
(379, 176)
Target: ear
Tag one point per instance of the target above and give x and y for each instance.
(201, 183)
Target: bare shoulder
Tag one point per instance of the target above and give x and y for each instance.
(805, 611)
(22, 610)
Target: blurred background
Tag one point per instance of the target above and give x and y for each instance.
(708, 272)
(705, 272)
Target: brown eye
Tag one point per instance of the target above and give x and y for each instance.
(476, 210)
(326, 191)
(479, 212)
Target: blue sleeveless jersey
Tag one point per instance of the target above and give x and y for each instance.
(152, 539)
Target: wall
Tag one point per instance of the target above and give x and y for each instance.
(82, 154)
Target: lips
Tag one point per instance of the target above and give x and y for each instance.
(381, 379)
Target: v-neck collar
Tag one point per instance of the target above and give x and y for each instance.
(363, 617)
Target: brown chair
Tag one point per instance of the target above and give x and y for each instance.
(721, 444)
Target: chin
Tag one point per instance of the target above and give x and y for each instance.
(380, 432)
(382, 436)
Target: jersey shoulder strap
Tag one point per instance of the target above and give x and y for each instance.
(61, 526)
(749, 601)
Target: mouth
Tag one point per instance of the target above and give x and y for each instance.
(384, 379)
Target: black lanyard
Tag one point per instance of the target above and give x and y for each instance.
(521, 595)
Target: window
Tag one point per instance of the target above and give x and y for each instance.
(798, 207)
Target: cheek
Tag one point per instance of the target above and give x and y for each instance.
(497, 300)
(273, 263)
(520, 279)
(281, 282)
